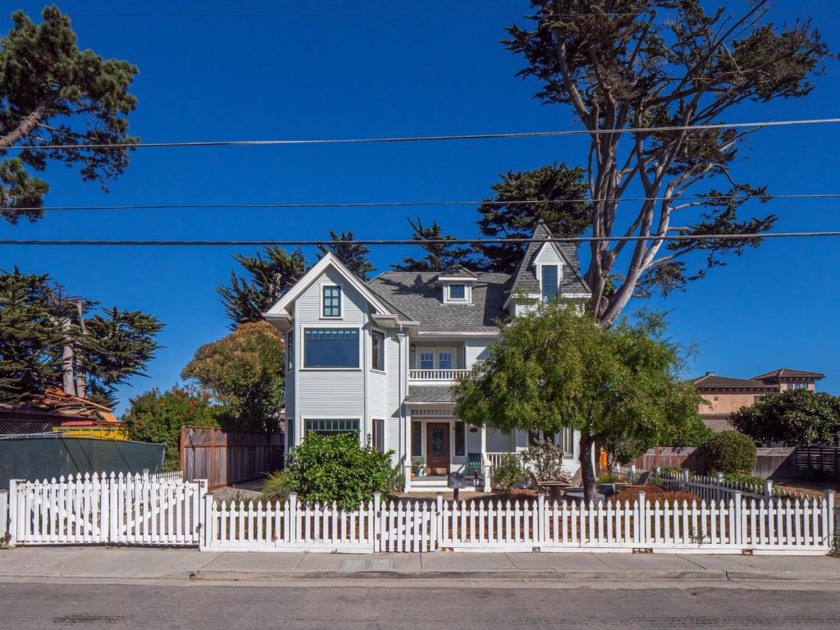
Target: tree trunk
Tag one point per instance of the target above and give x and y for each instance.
(81, 381)
(68, 383)
(587, 468)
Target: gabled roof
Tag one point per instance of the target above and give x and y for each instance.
(713, 381)
(524, 280)
(784, 373)
(329, 260)
(417, 296)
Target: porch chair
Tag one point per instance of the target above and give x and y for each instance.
(474, 467)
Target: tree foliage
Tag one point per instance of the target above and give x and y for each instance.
(793, 418)
(53, 94)
(353, 255)
(731, 452)
(244, 372)
(157, 417)
(51, 339)
(636, 64)
(552, 368)
(327, 468)
(268, 279)
(439, 255)
(561, 191)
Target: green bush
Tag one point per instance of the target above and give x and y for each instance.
(276, 487)
(731, 452)
(327, 468)
(546, 460)
(509, 472)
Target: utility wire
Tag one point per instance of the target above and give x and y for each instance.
(407, 204)
(454, 241)
(414, 139)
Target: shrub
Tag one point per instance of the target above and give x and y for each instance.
(545, 459)
(731, 452)
(276, 487)
(327, 468)
(509, 472)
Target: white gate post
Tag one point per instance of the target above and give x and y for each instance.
(207, 536)
(542, 520)
(718, 490)
(4, 514)
(830, 518)
(437, 541)
(736, 533)
(685, 478)
(293, 517)
(373, 523)
(768, 488)
(13, 511)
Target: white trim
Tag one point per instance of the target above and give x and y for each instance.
(445, 334)
(384, 368)
(329, 260)
(447, 295)
(321, 287)
(303, 420)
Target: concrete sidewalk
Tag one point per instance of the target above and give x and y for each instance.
(128, 564)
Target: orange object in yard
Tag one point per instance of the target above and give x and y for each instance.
(603, 459)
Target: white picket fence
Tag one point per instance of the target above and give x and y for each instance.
(106, 509)
(733, 526)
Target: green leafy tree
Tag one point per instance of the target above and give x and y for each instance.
(244, 372)
(50, 339)
(352, 255)
(267, 280)
(620, 65)
(157, 417)
(327, 468)
(53, 94)
(439, 256)
(552, 368)
(794, 418)
(561, 193)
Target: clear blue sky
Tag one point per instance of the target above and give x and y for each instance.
(391, 68)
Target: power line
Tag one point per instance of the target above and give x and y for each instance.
(409, 204)
(454, 241)
(415, 139)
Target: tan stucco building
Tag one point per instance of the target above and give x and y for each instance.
(724, 395)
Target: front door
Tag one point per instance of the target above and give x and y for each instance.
(437, 448)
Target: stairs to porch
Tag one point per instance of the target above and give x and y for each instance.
(438, 483)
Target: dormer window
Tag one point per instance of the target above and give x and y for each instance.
(331, 301)
(549, 282)
(456, 293)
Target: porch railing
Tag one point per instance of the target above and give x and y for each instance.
(496, 458)
(436, 375)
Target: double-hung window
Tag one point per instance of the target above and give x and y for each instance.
(331, 348)
(331, 298)
(550, 281)
(331, 427)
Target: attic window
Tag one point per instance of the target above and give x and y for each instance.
(550, 282)
(456, 293)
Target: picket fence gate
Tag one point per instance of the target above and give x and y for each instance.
(736, 525)
(106, 509)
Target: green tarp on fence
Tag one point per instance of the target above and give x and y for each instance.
(46, 457)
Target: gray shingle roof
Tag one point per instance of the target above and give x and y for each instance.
(430, 393)
(713, 381)
(524, 280)
(417, 296)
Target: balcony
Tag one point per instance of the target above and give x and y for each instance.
(436, 376)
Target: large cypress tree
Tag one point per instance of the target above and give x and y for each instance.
(439, 255)
(353, 255)
(50, 339)
(52, 93)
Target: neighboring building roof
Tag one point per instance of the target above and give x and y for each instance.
(430, 394)
(718, 422)
(712, 381)
(57, 406)
(787, 373)
(416, 295)
(524, 280)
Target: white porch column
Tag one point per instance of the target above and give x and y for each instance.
(407, 460)
(485, 459)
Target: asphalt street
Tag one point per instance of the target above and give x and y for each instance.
(416, 607)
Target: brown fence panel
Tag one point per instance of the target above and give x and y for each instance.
(819, 460)
(772, 463)
(228, 457)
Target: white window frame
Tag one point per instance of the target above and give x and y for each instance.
(447, 293)
(559, 278)
(326, 285)
(305, 419)
(302, 343)
(384, 435)
(436, 352)
(376, 331)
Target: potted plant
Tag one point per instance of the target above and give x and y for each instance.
(417, 468)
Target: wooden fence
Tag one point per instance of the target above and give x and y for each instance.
(105, 509)
(802, 525)
(821, 461)
(229, 457)
(777, 463)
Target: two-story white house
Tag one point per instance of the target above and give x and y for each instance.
(381, 358)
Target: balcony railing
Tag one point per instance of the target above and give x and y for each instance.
(437, 375)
